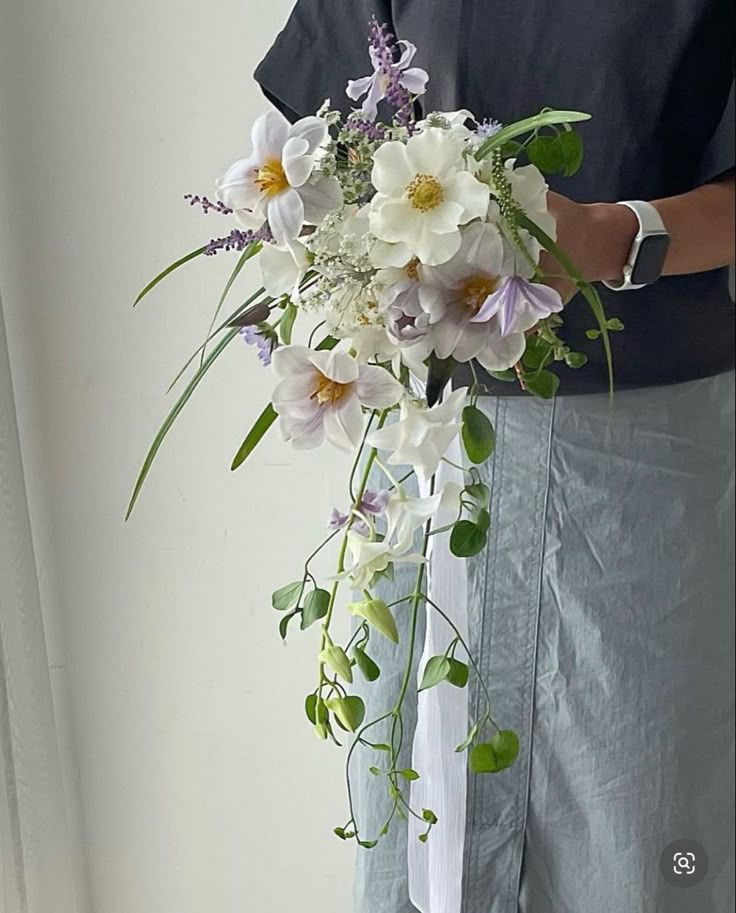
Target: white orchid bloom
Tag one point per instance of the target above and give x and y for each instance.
(276, 183)
(425, 193)
(322, 393)
(372, 557)
(283, 268)
(463, 316)
(421, 437)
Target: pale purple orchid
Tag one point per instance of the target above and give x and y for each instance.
(373, 502)
(394, 80)
(519, 304)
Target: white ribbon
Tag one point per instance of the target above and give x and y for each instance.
(436, 867)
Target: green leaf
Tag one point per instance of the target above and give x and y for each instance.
(478, 435)
(423, 838)
(378, 615)
(429, 816)
(506, 745)
(470, 738)
(337, 659)
(483, 520)
(375, 771)
(371, 671)
(349, 710)
(528, 125)
(614, 324)
(172, 416)
(593, 334)
(496, 755)
(285, 622)
(169, 269)
(467, 539)
(479, 492)
(250, 251)
(255, 435)
(508, 377)
(436, 671)
(379, 746)
(537, 352)
(287, 596)
(287, 324)
(340, 832)
(315, 709)
(439, 374)
(570, 145)
(316, 607)
(546, 154)
(576, 360)
(458, 674)
(368, 844)
(409, 775)
(543, 384)
(327, 344)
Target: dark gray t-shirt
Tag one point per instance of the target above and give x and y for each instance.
(657, 77)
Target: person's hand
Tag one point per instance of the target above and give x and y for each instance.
(596, 236)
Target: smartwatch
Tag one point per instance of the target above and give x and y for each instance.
(648, 250)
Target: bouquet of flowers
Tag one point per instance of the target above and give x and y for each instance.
(406, 248)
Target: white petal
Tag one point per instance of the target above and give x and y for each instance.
(313, 130)
(408, 52)
(415, 80)
(470, 193)
(337, 366)
(344, 424)
(280, 270)
(290, 360)
(376, 388)
(237, 188)
(435, 152)
(304, 433)
(396, 220)
(320, 199)
(286, 216)
(434, 249)
(444, 218)
(384, 255)
(502, 352)
(358, 87)
(298, 163)
(392, 172)
(269, 135)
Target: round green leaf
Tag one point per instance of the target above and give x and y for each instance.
(543, 384)
(483, 759)
(436, 671)
(458, 674)
(478, 435)
(287, 597)
(316, 607)
(546, 154)
(371, 671)
(506, 746)
(350, 711)
(576, 360)
(508, 376)
(570, 145)
(429, 816)
(467, 539)
(409, 775)
(483, 520)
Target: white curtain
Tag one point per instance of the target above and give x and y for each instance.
(36, 864)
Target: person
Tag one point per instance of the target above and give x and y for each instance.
(602, 611)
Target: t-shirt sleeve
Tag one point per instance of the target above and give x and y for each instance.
(720, 154)
(323, 45)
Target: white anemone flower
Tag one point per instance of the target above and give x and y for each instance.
(425, 193)
(463, 317)
(422, 436)
(322, 394)
(275, 184)
(369, 557)
(283, 268)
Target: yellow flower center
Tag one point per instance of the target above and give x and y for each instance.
(412, 269)
(329, 392)
(272, 178)
(425, 193)
(475, 291)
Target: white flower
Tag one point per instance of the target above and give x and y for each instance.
(462, 324)
(422, 436)
(370, 558)
(425, 193)
(321, 394)
(283, 268)
(401, 73)
(519, 305)
(405, 515)
(274, 184)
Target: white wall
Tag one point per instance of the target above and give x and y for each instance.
(180, 712)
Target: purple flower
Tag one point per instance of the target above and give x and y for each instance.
(265, 344)
(489, 127)
(392, 79)
(207, 205)
(519, 304)
(373, 502)
(237, 240)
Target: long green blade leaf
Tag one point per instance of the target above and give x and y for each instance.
(169, 269)
(255, 435)
(589, 293)
(250, 251)
(545, 119)
(172, 416)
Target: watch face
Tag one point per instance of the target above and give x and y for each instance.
(650, 259)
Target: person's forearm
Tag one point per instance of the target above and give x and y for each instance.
(701, 224)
